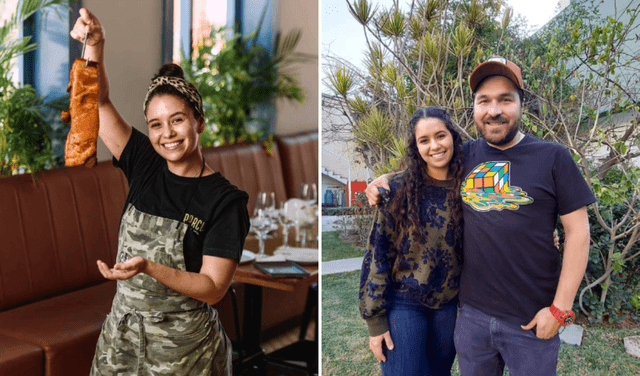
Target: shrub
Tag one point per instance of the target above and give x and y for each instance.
(622, 298)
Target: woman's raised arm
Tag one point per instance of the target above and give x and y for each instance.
(114, 130)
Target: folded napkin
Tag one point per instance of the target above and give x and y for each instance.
(288, 249)
(274, 258)
(297, 254)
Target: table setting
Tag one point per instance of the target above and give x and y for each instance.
(298, 215)
(285, 257)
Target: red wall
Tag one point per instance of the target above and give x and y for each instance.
(356, 186)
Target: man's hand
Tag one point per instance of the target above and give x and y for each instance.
(373, 196)
(123, 270)
(375, 344)
(546, 325)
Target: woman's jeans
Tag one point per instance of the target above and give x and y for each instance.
(422, 339)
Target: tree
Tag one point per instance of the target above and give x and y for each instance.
(414, 59)
(585, 88)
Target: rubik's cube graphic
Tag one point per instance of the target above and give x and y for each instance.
(491, 177)
(487, 188)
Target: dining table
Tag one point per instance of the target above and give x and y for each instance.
(255, 281)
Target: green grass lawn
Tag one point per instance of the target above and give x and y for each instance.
(345, 343)
(335, 249)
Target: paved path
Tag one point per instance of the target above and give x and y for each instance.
(341, 266)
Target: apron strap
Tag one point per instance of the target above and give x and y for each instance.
(153, 317)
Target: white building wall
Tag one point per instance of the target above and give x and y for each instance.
(340, 161)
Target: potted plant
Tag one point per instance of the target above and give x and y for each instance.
(25, 117)
(239, 79)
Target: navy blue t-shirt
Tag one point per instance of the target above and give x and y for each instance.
(511, 202)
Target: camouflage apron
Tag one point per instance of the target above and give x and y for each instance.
(152, 329)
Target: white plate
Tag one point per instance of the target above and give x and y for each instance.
(247, 256)
(300, 255)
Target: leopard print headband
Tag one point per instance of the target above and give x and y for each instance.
(185, 87)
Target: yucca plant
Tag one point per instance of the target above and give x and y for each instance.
(414, 57)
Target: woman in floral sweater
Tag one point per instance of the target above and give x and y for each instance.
(410, 273)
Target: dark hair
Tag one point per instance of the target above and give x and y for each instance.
(405, 205)
(171, 70)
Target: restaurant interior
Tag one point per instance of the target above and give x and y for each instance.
(57, 222)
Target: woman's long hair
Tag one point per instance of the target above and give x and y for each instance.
(405, 204)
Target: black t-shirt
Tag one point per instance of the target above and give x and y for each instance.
(217, 214)
(511, 203)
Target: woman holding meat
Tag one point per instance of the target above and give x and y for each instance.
(181, 233)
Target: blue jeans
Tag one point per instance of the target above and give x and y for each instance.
(485, 344)
(422, 339)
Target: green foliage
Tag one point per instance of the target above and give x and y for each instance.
(26, 120)
(363, 218)
(342, 82)
(355, 220)
(338, 211)
(25, 137)
(237, 78)
(614, 298)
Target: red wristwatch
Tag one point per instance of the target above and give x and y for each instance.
(564, 318)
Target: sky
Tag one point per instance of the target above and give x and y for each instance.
(342, 35)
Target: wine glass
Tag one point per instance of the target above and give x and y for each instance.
(269, 200)
(286, 221)
(297, 210)
(271, 208)
(261, 221)
(308, 192)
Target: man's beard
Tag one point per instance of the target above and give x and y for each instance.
(511, 134)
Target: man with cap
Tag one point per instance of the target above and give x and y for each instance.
(515, 291)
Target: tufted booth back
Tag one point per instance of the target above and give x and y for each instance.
(250, 168)
(299, 153)
(54, 227)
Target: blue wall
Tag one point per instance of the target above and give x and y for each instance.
(249, 17)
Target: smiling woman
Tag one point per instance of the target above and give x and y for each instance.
(435, 145)
(173, 108)
(412, 263)
(181, 234)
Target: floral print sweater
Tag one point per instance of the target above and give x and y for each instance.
(424, 272)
